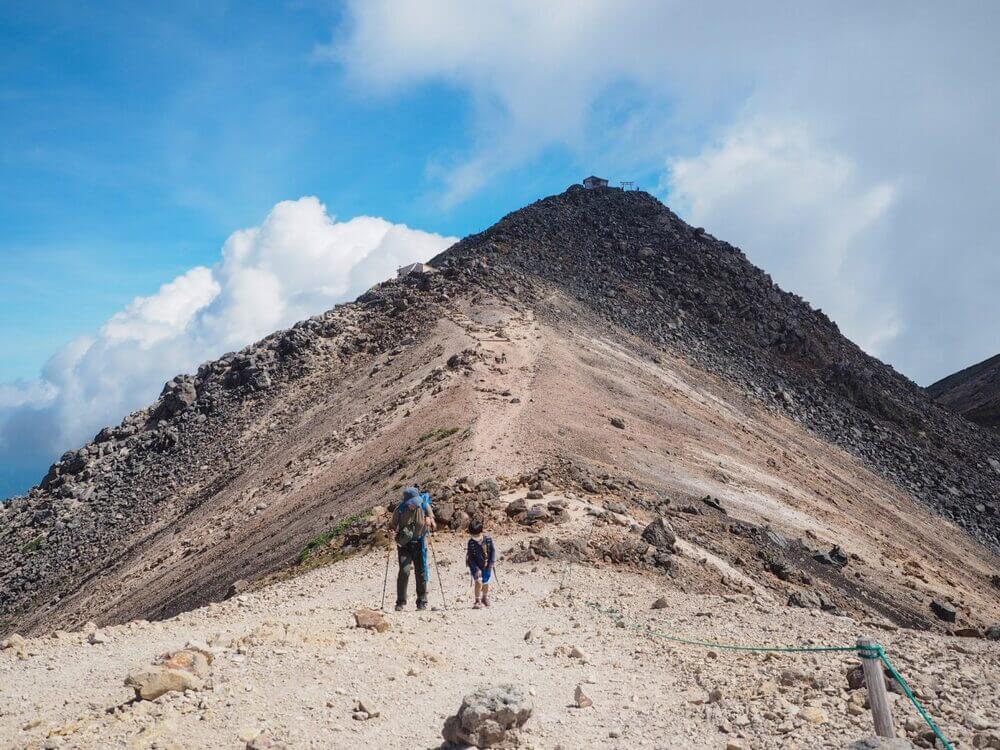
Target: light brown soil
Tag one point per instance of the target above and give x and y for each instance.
(290, 662)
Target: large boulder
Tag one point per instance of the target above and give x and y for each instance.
(537, 513)
(176, 672)
(17, 644)
(150, 684)
(660, 534)
(177, 396)
(460, 520)
(190, 659)
(489, 717)
(809, 599)
(943, 611)
(517, 507)
(444, 511)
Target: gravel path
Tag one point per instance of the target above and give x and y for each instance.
(290, 662)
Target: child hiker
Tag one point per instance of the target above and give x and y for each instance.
(479, 557)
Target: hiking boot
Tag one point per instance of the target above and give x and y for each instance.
(486, 602)
(401, 607)
(421, 605)
(477, 605)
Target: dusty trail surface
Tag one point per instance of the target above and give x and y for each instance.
(289, 662)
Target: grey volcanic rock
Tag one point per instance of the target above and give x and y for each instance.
(660, 534)
(489, 717)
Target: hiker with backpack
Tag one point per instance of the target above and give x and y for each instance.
(480, 556)
(410, 523)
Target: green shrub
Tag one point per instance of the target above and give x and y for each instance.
(34, 545)
(326, 537)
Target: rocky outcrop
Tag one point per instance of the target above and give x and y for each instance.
(489, 717)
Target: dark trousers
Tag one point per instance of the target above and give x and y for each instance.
(412, 556)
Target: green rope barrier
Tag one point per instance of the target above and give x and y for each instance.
(863, 652)
(913, 699)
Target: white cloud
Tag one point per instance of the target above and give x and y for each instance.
(801, 210)
(298, 262)
(895, 104)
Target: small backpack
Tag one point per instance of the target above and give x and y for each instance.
(486, 545)
(410, 522)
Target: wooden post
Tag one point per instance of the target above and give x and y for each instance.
(875, 682)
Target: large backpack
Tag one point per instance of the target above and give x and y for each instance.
(410, 522)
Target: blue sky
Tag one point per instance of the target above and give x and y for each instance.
(137, 138)
(850, 150)
(135, 141)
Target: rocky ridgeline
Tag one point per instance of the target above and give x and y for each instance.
(973, 392)
(167, 459)
(633, 262)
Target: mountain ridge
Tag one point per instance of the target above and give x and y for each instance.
(973, 392)
(236, 467)
(777, 345)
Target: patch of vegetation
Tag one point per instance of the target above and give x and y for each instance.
(34, 545)
(439, 434)
(326, 537)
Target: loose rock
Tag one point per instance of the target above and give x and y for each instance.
(369, 619)
(489, 717)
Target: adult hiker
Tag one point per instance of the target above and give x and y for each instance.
(411, 521)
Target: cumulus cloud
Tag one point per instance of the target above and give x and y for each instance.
(298, 262)
(800, 210)
(891, 164)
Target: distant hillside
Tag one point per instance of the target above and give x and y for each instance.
(973, 392)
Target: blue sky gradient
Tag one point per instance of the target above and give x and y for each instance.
(136, 139)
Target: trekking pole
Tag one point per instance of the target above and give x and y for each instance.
(388, 557)
(437, 570)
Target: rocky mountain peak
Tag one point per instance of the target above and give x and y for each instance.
(235, 468)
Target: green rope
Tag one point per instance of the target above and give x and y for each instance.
(863, 652)
(913, 699)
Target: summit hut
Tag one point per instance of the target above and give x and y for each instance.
(594, 182)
